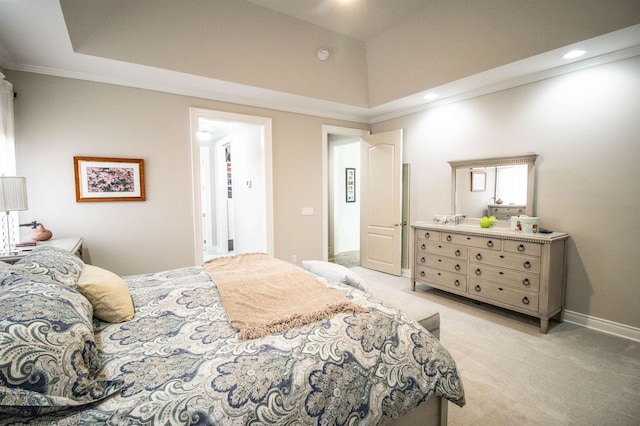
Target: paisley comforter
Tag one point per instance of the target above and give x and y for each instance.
(179, 362)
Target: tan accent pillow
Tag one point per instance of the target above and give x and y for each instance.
(108, 293)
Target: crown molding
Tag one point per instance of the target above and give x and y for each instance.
(215, 90)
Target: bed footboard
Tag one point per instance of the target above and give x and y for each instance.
(431, 413)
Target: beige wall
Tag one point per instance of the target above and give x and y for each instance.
(585, 127)
(57, 118)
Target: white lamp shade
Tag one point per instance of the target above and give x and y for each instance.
(13, 193)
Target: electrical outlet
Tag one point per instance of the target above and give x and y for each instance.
(294, 258)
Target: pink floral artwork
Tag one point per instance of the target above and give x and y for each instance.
(110, 179)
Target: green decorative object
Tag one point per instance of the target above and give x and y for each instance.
(485, 222)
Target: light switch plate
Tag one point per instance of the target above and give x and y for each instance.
(306, 211)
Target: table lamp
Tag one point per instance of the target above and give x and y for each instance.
(13, 197)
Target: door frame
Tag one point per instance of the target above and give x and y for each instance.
(326, 131)
(265, 122)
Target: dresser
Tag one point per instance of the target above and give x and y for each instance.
(504, 212)
(516, 271)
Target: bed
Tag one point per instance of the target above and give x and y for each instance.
(174, 358)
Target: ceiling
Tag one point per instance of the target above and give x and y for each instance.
(362, 20)
(35, 38)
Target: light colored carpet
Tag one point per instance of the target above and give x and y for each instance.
(514, 375)
(348, 259)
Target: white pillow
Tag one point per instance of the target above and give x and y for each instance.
(4, 264)
(334, 272)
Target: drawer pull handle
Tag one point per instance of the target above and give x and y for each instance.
(525, 300)
(502, 256)
(468, 238)
(478, 271)
(456, 283)
(449, 238)
(422, 259)
(423, 246)
(527, 264)
(422, 274)
(439, 273)
(526, 282)
(439, 246)
(521, 248)
(457, 267)
(500, 288)
(489, 243)
(479, 256)
(477, 288)
(426, 235)
(501, 273)
(457, 252)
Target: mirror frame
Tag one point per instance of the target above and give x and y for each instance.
(528, 158)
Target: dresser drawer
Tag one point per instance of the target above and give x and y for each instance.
(443, 278)
(504, 276)
(473, 241)
(521, 247)
(458, 266)
(501, 215)
(423, 234)
(442, 249)
(510, 211)
(511, 261)
(508, 295)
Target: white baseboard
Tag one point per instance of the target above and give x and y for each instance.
(606, 326)
(594, 323)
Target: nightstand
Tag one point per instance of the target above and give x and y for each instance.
(71, 244)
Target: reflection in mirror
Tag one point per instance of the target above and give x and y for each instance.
(508, 186)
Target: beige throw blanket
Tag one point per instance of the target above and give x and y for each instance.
(264, 295)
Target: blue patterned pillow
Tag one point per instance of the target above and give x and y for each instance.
(48, 355)
(52, 263)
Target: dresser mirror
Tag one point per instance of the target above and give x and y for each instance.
(500, 186)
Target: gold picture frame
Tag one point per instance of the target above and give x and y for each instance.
(100, 179)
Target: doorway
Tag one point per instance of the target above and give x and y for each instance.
(232, 184)
(332, 170)
(344, 200)
(342, 139)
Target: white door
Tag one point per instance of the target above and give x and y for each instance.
(381, 202)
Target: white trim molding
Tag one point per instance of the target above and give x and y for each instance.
(603, 325)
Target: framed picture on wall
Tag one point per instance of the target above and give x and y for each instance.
(478, 181)
(109, 179)
(350, 182)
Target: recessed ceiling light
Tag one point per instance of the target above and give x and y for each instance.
(430, 96)
(576, 53)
